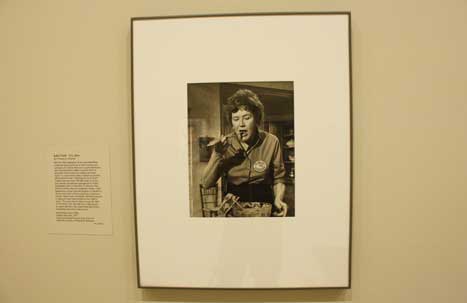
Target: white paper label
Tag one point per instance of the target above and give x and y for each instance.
(80, 187)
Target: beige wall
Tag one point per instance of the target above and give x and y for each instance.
(65, 78)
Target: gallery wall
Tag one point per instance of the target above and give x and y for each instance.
(65, 79)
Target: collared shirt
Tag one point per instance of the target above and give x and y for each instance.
(262, 163)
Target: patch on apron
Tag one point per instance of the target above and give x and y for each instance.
(260, 166)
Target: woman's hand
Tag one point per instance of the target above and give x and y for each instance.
(279, 204)
(220, 144)
(281, 208)
(224, 148)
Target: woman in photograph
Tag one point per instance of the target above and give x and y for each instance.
(249, 158)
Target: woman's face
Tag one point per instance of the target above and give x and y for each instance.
(244, 125)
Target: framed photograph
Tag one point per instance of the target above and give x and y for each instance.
(242, 150)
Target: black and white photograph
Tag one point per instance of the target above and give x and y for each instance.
(241, 129)
(241, 149)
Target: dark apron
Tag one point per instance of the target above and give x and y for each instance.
(252, 192)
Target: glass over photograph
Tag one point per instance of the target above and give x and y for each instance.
(241, 149)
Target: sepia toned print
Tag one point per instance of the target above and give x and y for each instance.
(241, 149)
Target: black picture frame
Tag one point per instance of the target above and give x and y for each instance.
(142, 284)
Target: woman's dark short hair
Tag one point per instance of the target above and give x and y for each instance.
(247, 100)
